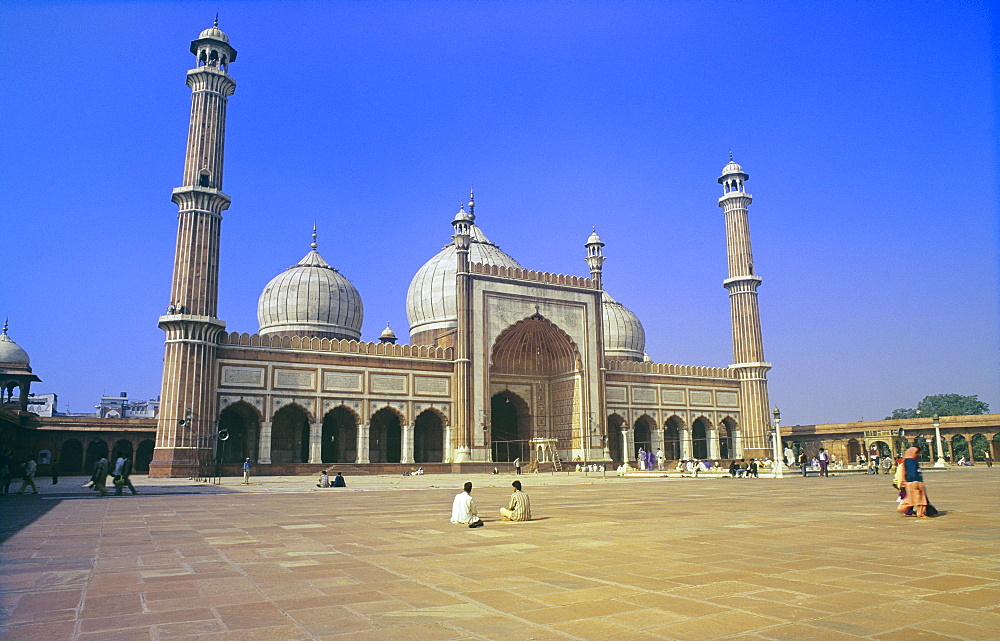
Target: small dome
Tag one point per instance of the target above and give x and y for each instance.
(732, 167)
(311, 299)
(11, 353)
(624, 336)
(431, 299)
(594, 239)
(387, 332)
(215, 33)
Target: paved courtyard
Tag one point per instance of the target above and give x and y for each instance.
(607, 558)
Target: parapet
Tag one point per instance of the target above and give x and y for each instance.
(342, 346)
(519, 273)
(642, 367)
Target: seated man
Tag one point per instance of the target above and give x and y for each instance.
(338, 481)
(519, 508)
(324, 479)
(463, 509)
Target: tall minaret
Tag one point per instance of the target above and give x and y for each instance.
(187, 402)
(748, 345)
(464, 393)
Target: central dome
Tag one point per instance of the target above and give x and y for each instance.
(431, 305)
(12, 354)
(311, 299)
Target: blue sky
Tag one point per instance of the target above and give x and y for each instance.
(868, 131)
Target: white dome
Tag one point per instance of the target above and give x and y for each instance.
(10, 352)
(623, 334)
(430, 301)
(215, 33)
(311, 299)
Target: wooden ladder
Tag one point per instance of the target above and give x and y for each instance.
(556, 461)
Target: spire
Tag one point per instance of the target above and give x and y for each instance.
(313, 244)
(472, 202)
(216, 23)
(5, 326)
(730, 155)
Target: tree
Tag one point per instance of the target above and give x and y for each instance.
(943, 405)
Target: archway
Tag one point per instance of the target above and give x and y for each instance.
(727, 432)
(699, 438)
(510, 427)
(644, 427)
(428, 438)
(290, 435)
(122, 447)
(853, 450)
(959, 447)
(144, 455)
(96, 450)
(340, 436)
(71, 457)
(672, 438)
(980, 446)
(385, 437)
(615, 445)
(243, 424)
(534, 351)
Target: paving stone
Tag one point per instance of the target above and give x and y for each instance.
(274, 563)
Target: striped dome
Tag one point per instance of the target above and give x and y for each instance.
(311, 299)
(624, 337)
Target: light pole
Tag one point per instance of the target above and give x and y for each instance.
(937, 434)
(778, 467)
(929, 448)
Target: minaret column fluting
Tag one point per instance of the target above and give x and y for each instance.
(748, 343)
(187, 418)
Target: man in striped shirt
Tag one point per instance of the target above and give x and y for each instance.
(519, 508)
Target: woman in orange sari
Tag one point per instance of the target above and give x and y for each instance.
(913, 484)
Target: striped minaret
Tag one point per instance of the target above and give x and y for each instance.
(748, 344)
(187, 401)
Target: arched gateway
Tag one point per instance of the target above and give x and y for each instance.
(535, 382)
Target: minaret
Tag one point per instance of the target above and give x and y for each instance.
(595, 257)
(462, 225)
(748, 344)
(187, 402)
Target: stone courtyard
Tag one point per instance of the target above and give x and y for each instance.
(606, 558)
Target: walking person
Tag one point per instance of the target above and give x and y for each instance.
(517, 465)
(122, 480)
(661, 460)
(246, 471)
(29, 476)
(824, 462)
(100, 478)
(803, 462)
(912, 482)
(988, 458)
(6, 472)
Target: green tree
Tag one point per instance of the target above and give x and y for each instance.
(943, 405)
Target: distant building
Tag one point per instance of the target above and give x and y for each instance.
(121, 407)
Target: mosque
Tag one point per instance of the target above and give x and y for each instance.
(504, 362)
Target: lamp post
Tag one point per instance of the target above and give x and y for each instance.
(778, 467)
(929, 453)
(937, 435)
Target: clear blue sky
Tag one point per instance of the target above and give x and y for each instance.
(868, 130)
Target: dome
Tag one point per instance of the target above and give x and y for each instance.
(431, 299)
(311, 299)
(214, 33)
(594, 239)
(624, 336)
(732, 168)
(387, 333)
(11, 353)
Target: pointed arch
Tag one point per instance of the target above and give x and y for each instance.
(339, 442)
(672, 437)
(614, 435)
(290, 435)
(428, 437)
(242, 422)
(385, 436)
(643, 427)
(699, 437)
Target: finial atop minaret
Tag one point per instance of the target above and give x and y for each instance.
(313, 243)
(216, 23)
(730, 155)
(5, 326)
(472, 202)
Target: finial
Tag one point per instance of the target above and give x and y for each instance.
(313, 244)
(216, 23)
(730, 155)
(5, 326)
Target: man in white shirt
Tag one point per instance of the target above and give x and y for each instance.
(463, 510)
